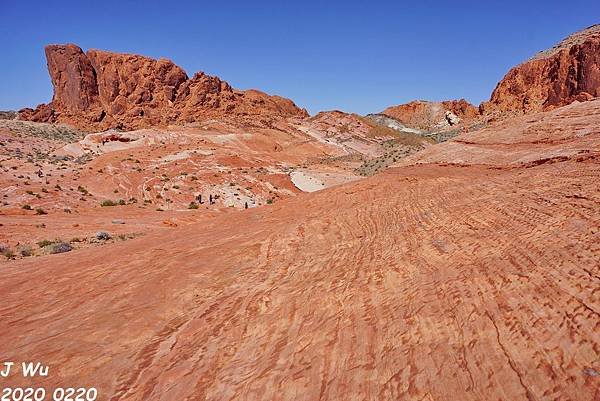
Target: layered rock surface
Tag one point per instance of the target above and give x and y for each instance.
(436, 281)
(99, 90)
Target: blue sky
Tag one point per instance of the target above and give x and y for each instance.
(348, 55)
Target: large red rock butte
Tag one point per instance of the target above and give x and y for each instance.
(99, 90)
(567, 72)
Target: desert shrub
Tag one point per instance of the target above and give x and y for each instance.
(9, 254)
(27, 207)
(108, 202)
(269, 201)
(121, 202)
(344, 128)
(6, 251)
(26, 251)
(193, 205)
(40, 211)
(45, 242)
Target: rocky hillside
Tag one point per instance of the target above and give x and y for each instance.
(99, 90)
(8, 115)
(433, 116)
(373, 142)
(569, 71)
(555, 77)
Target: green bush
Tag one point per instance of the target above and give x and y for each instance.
(108, 202)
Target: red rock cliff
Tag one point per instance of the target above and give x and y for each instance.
(556, 77)
(101, 90)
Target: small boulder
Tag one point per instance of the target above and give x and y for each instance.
(103, 236)
(61, 247)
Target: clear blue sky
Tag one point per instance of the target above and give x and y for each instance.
(356, 56)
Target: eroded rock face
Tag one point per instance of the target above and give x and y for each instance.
(100, 90)
(432, 116)
(569, 71)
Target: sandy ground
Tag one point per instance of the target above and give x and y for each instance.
(312, 181)
(306, 182)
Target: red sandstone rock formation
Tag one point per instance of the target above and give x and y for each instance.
(569, 71)
(430, 116)
(100, 90)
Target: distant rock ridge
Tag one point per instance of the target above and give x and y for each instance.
(433, 116)
(568, 72)
(100, 90)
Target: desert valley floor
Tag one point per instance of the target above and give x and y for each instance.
(468, 271)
